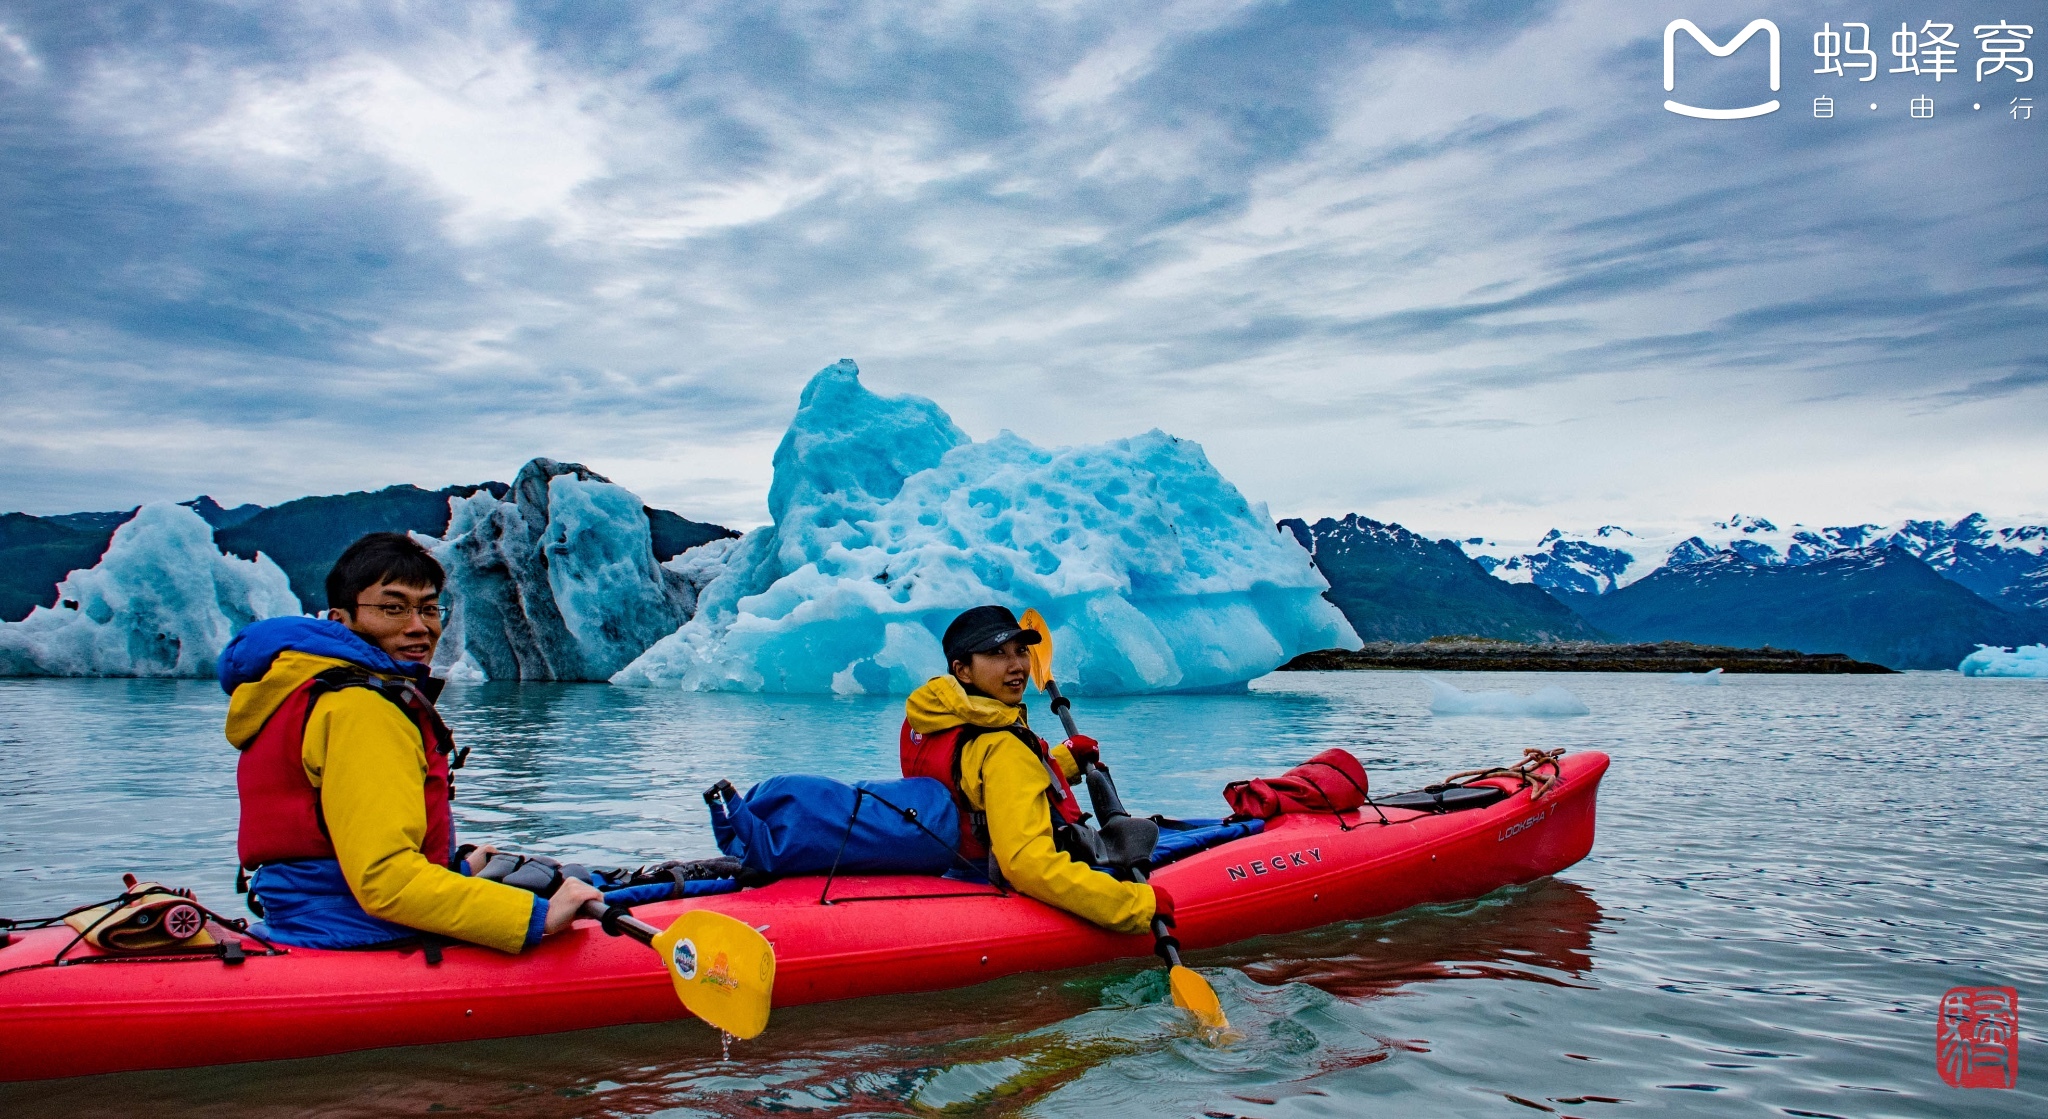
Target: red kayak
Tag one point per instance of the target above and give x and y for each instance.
(879, 935)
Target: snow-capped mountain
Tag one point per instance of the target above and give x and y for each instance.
(1878, 603)
(2005, 563)
(1394, 585)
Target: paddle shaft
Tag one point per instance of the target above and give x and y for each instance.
(1061, 706)
(619, 921)
(1102, 794)
(1107, 807)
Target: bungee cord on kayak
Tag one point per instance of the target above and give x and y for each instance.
(1527, 772)
(146, 922)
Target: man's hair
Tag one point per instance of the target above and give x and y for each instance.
(381, 557)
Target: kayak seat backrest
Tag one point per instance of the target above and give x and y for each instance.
(1128, 841)
(1438, 799)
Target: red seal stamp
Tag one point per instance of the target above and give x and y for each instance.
(1977, 1037)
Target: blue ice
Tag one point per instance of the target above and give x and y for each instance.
(162, 601)
(1154, 572)
(1550, 699)
(558, 581)
(2029, 661)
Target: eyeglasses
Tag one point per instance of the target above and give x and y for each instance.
(432, 614)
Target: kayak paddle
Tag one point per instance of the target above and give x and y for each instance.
(1191, 992)
(723, 970)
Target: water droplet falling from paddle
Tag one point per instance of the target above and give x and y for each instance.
(725, 1045)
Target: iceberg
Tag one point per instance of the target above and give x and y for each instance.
(162, 601)
(1154, 572)
(2026, 661)
(1548, 700)
(1711, 677)
(556, 581)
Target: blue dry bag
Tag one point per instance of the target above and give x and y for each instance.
(803, 824)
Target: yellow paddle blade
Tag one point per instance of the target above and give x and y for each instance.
(1041, 653)
(1193, 994)
(723, 970)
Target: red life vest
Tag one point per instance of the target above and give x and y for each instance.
(281, 817)
(937, 756)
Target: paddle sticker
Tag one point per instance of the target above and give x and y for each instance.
(719, 974)
(685, 957)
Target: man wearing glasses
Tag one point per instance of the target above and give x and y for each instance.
(345, 771)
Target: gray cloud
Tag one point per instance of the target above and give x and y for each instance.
(1453, 258)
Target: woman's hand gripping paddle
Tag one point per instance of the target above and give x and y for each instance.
(723, 970)
(1191, 992)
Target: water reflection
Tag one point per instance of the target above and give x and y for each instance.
(1542, 933)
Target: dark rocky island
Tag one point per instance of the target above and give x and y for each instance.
(1447, 654)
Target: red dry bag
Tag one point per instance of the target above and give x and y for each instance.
(1332, 781)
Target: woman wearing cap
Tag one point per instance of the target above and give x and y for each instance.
(967, 730)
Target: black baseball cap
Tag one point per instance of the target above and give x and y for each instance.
(981, 629)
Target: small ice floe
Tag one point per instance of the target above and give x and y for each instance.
(464, 671)
(1550, 700)
(1711, 676)
(2028, 661)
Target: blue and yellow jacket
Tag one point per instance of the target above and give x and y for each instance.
(1002, 777)
(368, 762)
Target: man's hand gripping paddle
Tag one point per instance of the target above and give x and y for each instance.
(1191, 992)
(723, 970)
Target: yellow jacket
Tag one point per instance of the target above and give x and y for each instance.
(1003, 778)
(370, 765)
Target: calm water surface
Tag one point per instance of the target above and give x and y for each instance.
(1789, 873)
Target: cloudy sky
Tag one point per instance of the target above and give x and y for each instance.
(1449, 263)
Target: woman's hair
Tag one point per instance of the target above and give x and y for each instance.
(381, 557)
